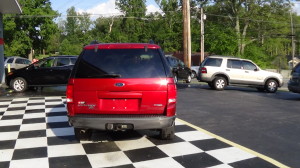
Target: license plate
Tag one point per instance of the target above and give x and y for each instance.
(119, 104)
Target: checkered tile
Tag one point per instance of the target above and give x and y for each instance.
(34, 132)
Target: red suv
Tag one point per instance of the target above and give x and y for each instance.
(123, 86)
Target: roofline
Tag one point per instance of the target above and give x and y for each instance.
(63, 56)
(122, 46)
(237, 58)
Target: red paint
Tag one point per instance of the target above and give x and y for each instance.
(138, 96)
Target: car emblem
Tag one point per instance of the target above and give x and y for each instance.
(119, 84)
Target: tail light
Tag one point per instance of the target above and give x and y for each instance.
(69, 97)
(203, 70)
(172, 96)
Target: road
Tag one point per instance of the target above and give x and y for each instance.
(266, 123)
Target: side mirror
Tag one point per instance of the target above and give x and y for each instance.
(256, 69)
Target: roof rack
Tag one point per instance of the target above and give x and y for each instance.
(151, 42)
(94, 42)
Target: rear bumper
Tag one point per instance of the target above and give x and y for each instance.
(294, 87)
(138, 123)
(202, 78)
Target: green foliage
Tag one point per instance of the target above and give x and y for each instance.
(67, 48)
(220, 40)
(75, 32)
(25, 33)
(257, 55)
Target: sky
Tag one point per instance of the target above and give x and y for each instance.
(297, 7)
(107, 7)
(102, 7)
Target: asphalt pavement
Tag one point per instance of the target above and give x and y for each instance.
(267, 123)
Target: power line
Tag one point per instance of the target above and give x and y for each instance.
(247, 19)
(121, 15)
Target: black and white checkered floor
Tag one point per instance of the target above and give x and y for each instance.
(34, 132)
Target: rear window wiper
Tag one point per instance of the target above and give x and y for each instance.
(105, 76)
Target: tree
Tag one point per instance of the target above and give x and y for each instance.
(71, 24)
(75, 32)
(168, 27)
(244, 13)
(133, 24)
(28, 31)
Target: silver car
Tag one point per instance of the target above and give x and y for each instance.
(16, 62)
(220, 71)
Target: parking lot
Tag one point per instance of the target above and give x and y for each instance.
(266, 123)
(260, 130)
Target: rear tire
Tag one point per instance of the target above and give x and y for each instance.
(260, 89)
(33, 88)
(19, 84)
(271, 86)
(194, 75)
(211, 85)
(189, 79)
(82, 134)
(168, 133)
(219, 83)
(175, 78)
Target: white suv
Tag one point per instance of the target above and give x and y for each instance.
(16, 62)
(220, 71)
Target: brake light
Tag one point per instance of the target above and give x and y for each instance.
(69, 92)
(172, 96)
(69, 97)
(203, 70)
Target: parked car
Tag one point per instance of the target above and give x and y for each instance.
(179, 69)
(121, 86)
(194, 71)
(294, 82)
(16, 62)
(220, 71)
(50, 71)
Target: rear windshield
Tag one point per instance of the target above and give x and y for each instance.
(297, 68)
(216, 62)
(120, 63)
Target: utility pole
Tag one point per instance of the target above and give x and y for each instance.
(184, 8)
(2, 69)
(189, 45)
(293, 40)
(186, 33)
(201, 35)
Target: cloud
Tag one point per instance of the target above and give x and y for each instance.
(108, 8)
(104, 9)
(296, 8)
(152, 9)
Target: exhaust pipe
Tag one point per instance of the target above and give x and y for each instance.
(82, 131)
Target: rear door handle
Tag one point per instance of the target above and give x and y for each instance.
(227, 69)
(246, 71)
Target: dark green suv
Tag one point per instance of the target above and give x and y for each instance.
(294, 82)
